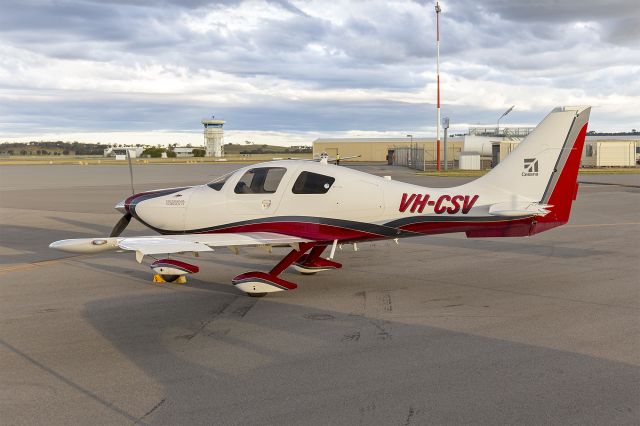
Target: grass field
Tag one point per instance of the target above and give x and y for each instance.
(97, 160)
(244, 159)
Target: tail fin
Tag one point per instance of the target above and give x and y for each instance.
(544, 167)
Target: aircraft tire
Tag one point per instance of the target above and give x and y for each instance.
(170, 278)
(256, 294)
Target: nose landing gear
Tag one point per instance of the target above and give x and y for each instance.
(175, 279)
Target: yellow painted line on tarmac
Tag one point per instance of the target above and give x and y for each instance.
(17, 267)
(24, 266)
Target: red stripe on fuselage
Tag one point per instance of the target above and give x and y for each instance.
(494, 228)
(311, 231)
(321, 232)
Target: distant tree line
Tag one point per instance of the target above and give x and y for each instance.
(252, 148)
(52, 148)
(82, 148)
(156, 152)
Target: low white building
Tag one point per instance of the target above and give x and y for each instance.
(121, 152)
(470, 161)
(184, 151)
(609, 153)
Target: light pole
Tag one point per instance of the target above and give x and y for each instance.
(504, 114)
(438, 83)
(411, 147)
(445, 126)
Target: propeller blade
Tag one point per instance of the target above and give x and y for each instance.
(121, 225)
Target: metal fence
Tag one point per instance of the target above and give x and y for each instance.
(503, 132)
(425, 158)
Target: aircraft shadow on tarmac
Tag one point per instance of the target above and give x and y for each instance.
(142, 274)
(502, 245)
(245, 361)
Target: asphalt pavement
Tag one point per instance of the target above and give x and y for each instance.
(436, 330)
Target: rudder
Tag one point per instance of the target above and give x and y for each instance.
(562, 188)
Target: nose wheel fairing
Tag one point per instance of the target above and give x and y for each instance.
(172, 271)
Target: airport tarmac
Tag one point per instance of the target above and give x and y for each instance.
(437, 330)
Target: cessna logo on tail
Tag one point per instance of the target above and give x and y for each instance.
(450, 204)
(530, 167)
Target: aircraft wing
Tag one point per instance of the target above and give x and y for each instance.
(167, 244)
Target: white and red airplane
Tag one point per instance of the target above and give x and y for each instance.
(312, 206)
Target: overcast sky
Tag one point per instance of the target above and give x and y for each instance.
(291, 71)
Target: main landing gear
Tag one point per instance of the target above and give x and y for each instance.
(255, 283)
(312, 263)
(258, 284)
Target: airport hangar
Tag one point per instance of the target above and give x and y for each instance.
(380, 149)
(600, 151)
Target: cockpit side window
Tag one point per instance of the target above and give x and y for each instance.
(263, 180)
(219, 182)
(312, 183)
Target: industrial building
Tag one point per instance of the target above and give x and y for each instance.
(213, 137)
(500, 150)
(609, 153)
(482, 139)
(383, 149)
(597, 152)
(490, 144)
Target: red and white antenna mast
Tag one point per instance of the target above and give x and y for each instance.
(438, 83)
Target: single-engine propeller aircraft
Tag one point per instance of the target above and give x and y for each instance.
(311, 206)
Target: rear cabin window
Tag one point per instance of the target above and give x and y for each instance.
(264, 180)
(312, 183)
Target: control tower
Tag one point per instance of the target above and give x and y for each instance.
(213, 137)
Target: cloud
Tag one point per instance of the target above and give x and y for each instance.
(310, 67)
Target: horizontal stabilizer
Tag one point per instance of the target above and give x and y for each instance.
(519, 209)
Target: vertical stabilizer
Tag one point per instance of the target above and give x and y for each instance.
(543, 168)
(562, 188)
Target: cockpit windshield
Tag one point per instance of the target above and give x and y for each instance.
(219, 182)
